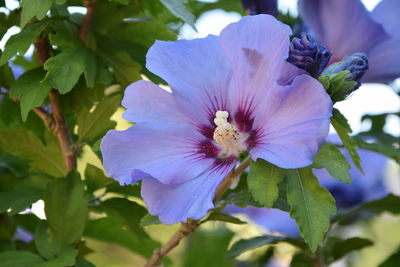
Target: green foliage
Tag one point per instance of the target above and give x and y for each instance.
(178, 8)
(222, 217)
(337, 85)
(392, 261)
(311, 205)
(337, 248)
(330, 158)
(263, 181)
(19, 259)
(34, 8)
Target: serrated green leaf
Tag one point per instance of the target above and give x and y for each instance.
(66, 208)
(19, 259)
(223, 217)
(45, 158)
(149, 219)
(263, 180)
(64, 69)
(93, 124)
(66, 258)
(126, 70)
(311, 205)
(34, 8)
(343, 129)
(20, 42)
(30, 90)
(340, 248)
(341, 119)
(95, 178)
(330, 158)
(178, 8)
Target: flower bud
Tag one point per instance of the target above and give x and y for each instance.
(255, 7)
(356, 64)
(305, 53)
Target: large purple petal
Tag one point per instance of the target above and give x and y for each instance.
(343, 26)
(169, 155)
(387, 13)
(177, 203)
(289, 132)
(147, 102)
(197, 71)
(256, 46)
(384, 62)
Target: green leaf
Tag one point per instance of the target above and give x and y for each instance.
(95, 178)
(342, 130)
(34, 8)
(65, 68)
(337, 248)
(330, 158)
(222, 217)
(6, 76)
(43, 244)
(311, 205)
(20, 42)
(263, 180)
(46, 158)
(111, 229)
(66, 208)
(90, 71)
(337, 85)
(66, 258)
(392, 261)
(92, 125)
(178, 8)
(30, 90)
(126, 70)
(149, 219)
(242, 199)
(19, 259)
(244, 245)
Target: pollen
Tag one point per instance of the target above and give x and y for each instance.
(227, 136)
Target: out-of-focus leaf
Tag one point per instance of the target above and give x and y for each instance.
(95, 178)
(342, 128)
(6, 76)
(392, 261)
(93, 124)
(82, 262)
(242, 199)
(30, 90)
(311, 205)
(263, 180)
(46, 158)
(20, 42)
(43, 244)
(111, 229)
(66, 208)
(149, 219)
(384, 147)
(337, 248)
(223, 217)
(330, 158)
(207, 248)
(34, 8)
(125, 69)
(66, 258)
(178, 8)
(244, 245)
(19, 259)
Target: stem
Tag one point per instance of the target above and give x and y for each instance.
(188, 228)
(60, 127)
(46, 117)
(90, 7)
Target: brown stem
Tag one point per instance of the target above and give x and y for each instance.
(46, 117)
(188, 228)
(90, 7)
(60, 128)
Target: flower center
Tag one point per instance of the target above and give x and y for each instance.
(227, 136)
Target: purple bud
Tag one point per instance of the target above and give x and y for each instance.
(255, 7)
(305, 53)
(357, 64)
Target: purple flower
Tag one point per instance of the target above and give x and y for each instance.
(230, 94)
(364, 188)
(273, 220)
(345, 27)
(305, 53)
(255, 7)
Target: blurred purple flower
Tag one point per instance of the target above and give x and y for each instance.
(345, 27)
(305, 53)
(22, 235)
(230, 94)
(256, 7)
(273, 220)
